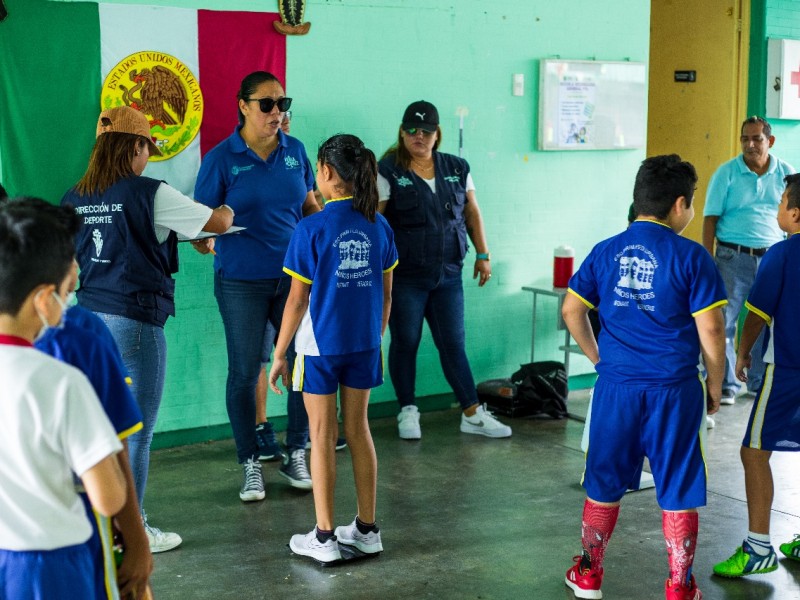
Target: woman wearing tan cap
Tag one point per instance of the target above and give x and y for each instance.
(127, 252)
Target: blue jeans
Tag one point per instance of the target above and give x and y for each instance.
(439, 299)
(246, 306)
(738, 272)
(144, 353)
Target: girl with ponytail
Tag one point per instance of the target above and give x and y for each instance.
(341, 262)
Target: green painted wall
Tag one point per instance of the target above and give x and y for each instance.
(360, 65)
(773, 19)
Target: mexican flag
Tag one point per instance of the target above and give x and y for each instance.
(63, 62)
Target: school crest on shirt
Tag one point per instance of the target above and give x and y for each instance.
(291, 162)
(354, 247)
(637, 270)
(165, 90)
(404, 181)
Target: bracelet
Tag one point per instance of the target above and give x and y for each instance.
(482, 256)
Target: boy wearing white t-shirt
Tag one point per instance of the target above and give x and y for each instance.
(51, 423)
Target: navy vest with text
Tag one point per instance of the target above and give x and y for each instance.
(124, 270)
(429, 229)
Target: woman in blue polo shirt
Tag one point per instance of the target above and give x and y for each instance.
(265, 176)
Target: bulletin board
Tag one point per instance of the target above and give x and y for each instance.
(592, 105)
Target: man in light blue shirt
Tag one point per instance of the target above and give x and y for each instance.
(741, 215)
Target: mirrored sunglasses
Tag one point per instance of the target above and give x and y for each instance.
(414, 130)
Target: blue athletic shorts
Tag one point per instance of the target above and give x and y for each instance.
(665, 424)
(61, 573)
(775, 419)
(323, 374)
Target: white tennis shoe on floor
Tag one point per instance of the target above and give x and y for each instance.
(408, 423)
(309, 545)
(484, 423)
(368, 543)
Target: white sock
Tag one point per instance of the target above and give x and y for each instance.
(759, 542)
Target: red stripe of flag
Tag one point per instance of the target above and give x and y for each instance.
(230, 46)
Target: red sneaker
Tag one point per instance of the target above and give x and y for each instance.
(584, 581)
(677, 591)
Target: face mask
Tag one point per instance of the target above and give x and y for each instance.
(45, 324)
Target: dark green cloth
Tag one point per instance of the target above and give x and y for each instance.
(49, 95)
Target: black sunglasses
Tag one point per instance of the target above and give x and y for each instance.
(414, 130)
(267, 104)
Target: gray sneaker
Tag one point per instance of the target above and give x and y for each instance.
(253, 487)
(368, 543)
(294, 469)
(309, 545)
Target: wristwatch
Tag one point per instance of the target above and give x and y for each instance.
(483, 256)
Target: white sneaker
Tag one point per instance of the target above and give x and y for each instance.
(161, 541)
(309, 545)
(408, 423)
(483, 423)
(728, 399)
(368, 543)
(253, 486)
(710, 423)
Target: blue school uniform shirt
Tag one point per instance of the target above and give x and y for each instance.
(79, 344)
(648, 283)
(343, 257)
(267, 197)
(774, 297)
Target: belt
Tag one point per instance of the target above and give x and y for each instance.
(744, 249)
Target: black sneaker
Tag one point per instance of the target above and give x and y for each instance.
(253, 486)
(295, 470)
(268, 446)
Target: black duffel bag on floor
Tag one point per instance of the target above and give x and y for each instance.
(538, 388)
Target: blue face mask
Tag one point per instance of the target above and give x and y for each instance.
(45, 324)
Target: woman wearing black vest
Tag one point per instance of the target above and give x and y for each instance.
(127, 252)
(429, 199)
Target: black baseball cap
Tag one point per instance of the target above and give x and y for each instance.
(421, 115)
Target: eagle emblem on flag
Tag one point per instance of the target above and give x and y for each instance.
(165, 90)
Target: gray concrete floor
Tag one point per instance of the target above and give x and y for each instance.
(462, 517)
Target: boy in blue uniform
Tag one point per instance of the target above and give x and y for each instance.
(774, 423)
(85, 343)
(659, 297)
(341, 261)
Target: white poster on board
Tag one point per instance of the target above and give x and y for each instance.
(576, 102)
